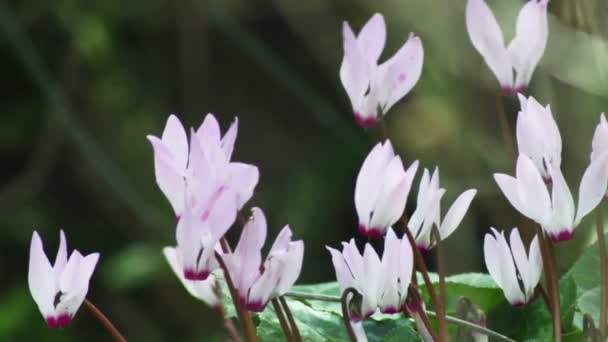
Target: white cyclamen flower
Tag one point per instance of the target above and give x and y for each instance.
(428, 211)
(381, 190)
(555, 212)
(59, 289)
(538, 136)
(510, 265)
(524, 51)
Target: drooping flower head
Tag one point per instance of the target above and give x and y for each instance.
(372, 87)
(524, 51)
(59, 289)
(555, 212)
(258, 282)
(203, 164)
(538, 136)
(381, 190)
(428, 211)
(205, 290)
(511, 265)
(381, 283)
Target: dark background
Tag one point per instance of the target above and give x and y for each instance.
(85, 82)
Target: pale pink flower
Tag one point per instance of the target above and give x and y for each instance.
(510, 266)
(258, 282)
(523, 52)
(374, 87)
(59, 289)
(381, 190)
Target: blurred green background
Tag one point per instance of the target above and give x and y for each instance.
(85, 82)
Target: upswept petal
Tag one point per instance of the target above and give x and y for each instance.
(243, 178)
(392, 199)
(487, 38)
(528, 45)
(170, 180)
(563, 203)
(244, 264)
(41, 277)
(372, 38)
(533, 194)
(593, 186)
(456, 213)
(599, 144)
(521, 261)
(174, 138)
(355, 73)
(535, 261)
(227, 143)
(343, 274)
(397, 76)
(62, 254)
(294, 256)
(371, 291)
(282, 241)
(209, 132)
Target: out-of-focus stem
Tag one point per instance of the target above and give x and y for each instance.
(346, 314)
(234, 335)
(244, 316)
(292, 322)
(599, 224)
(277, 310)
(104, 321)
(507, 136)
(552, 283)
(441, 310)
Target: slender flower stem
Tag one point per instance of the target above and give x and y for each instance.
(548, 258)
(104, 321)
(423, 270)
(507, 136)
(277, 310)
(292, 322)
(346, 314)
(450, 319)
(441, 310)
(231, 329)
(383, 128)
(599, 224)
(244, 316)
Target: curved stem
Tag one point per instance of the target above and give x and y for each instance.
(234, 335)
(104, 321)
(292, 322)
(552, 283)
(346, 313)
(277, 310)
(599, 224)
(441, 310)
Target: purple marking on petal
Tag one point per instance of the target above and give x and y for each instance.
(368, 313)
(368, 122)
(218, 309)
(402, 77)
(521, 90)
(193, 275)
(205, 215)
(255, 306)
(518, 303)
(547, 180)
(374, 233)
(563, 235)
(59, 321)
(390, 310)
(422, 248)
(413, 307)
(508, 91)
(355, 317)
(362, 229)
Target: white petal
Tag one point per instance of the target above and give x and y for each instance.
(174, 137)
(209, 131)
(600, 138)
(372, 38)
(563, 203)
(487, 38)
(536, 264)
(229, 138)
(533, 193)
(456, 213)
(355, 69)
(521, 260)
(593, 187)
(243, 178)
(292, 268)
(170, 180)
(398, 75)
(343, 274)
(368, 185)
(508, 186)
(528, 45)
(62, 254)
(391, 200)
(202, 290)
(41, 278)
(371, 282)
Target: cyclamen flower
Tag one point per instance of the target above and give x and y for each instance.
(381, 190)
(381, 283)
(259, 283)
(538, 136)
(556, 212)
(428, 211)
(205, 290)
(524, 51)
(527, 268)
(59, 289)
(600, 139)
(372, 87)
(204, 164)
(197, 235)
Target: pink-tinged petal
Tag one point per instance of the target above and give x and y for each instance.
(389, 298)
(533, 193)
(264, 287)
(487, 38)
(202, 290)
(243, 178)
(528, 45)
(169, 179)
(355, 73)
(74, 281)
(221, 213)
(599, 144)
(391, 200)
(68, 279)
(431, 217)
(456, 213)
(174, 138)
(209, 131)
(509, 273)
(535, 262)
(281, 243)
(188, 235)
(292, 267)
(62, 254)
(353, 259)
(372, 38)
(229, 138)
(593, 187)
(343, 274)
(369, 180)
(562, 201)
(41, 277)
(398, 75)
(371, 282)
(521, 261)
(508, 186)
(247, 257)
